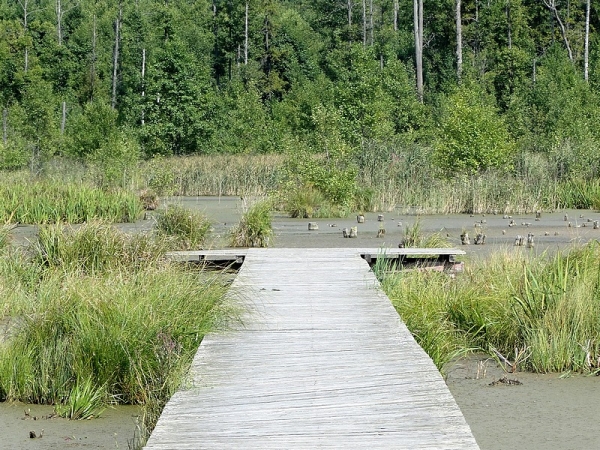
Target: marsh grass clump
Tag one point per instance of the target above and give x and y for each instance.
(94, 247)
(414, 237)
(48, 201)
(189, 229)
(86, 332)
(255, 227)
(547, 308)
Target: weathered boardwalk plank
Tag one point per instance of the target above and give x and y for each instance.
(321, 360)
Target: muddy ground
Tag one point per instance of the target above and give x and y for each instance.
(544, 412)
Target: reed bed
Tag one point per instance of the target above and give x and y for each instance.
(214, 175)
(44, 201)
(86, 324)
(534, 313)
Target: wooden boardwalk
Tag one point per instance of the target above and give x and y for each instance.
(322, 360)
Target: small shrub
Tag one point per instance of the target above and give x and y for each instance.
(255, 228)
(189, 229)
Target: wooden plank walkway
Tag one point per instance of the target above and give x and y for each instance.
(322, 361)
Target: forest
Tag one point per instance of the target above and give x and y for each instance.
(456, 90)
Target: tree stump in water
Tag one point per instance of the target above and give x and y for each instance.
(353, 232)
(313, 226)
(381, 233)
(380, 218)
(360, 218)
(595, 224)
(519, 241)
(479, 239)
(346, 232)
(530, 243)
(464, 238)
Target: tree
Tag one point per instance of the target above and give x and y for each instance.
(473, 137)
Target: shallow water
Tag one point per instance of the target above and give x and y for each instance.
(115, 429)
(545, 412)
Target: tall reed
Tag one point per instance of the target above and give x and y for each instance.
(47, 201)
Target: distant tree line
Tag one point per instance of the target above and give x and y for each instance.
(484, 84)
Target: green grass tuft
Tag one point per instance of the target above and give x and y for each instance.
(255, 227)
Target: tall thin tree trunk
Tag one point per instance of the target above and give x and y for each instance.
(459, 53)
(371, 27)
(246, 36)
(64, 118)
(396, 9)
(25, 6)
(116, 57)
(94, 56)
(509, 24)
(59, 13)
(143, 84)
(364, 5)
(350, 21)
(5, 126)
(586, 53)
(551, 5)
(418, 26)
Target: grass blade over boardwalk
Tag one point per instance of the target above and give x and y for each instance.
(322, 360)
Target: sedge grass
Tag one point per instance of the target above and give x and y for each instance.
(188, 229)
(85, 332)
(255, 227)
(47, 201)
(547, 307)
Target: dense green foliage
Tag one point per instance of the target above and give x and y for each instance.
(110, 82)
(541, 314)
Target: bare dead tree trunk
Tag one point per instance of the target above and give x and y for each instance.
(364, 5)
(350, 21)
(5, 126)
(93, 59)
(116, 57)
(143, 84)
(459, 53)
(246, 36)
(509, 27)
(551, 5)
(59, 13)
(396, 9)
(418, 26)
(586, 53)
(371, 27)
(63, 121)
(26, 12)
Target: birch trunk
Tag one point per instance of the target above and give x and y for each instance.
(246, 36)
(459, 53)
(586, 53)
(116, 57)
(418, 26)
